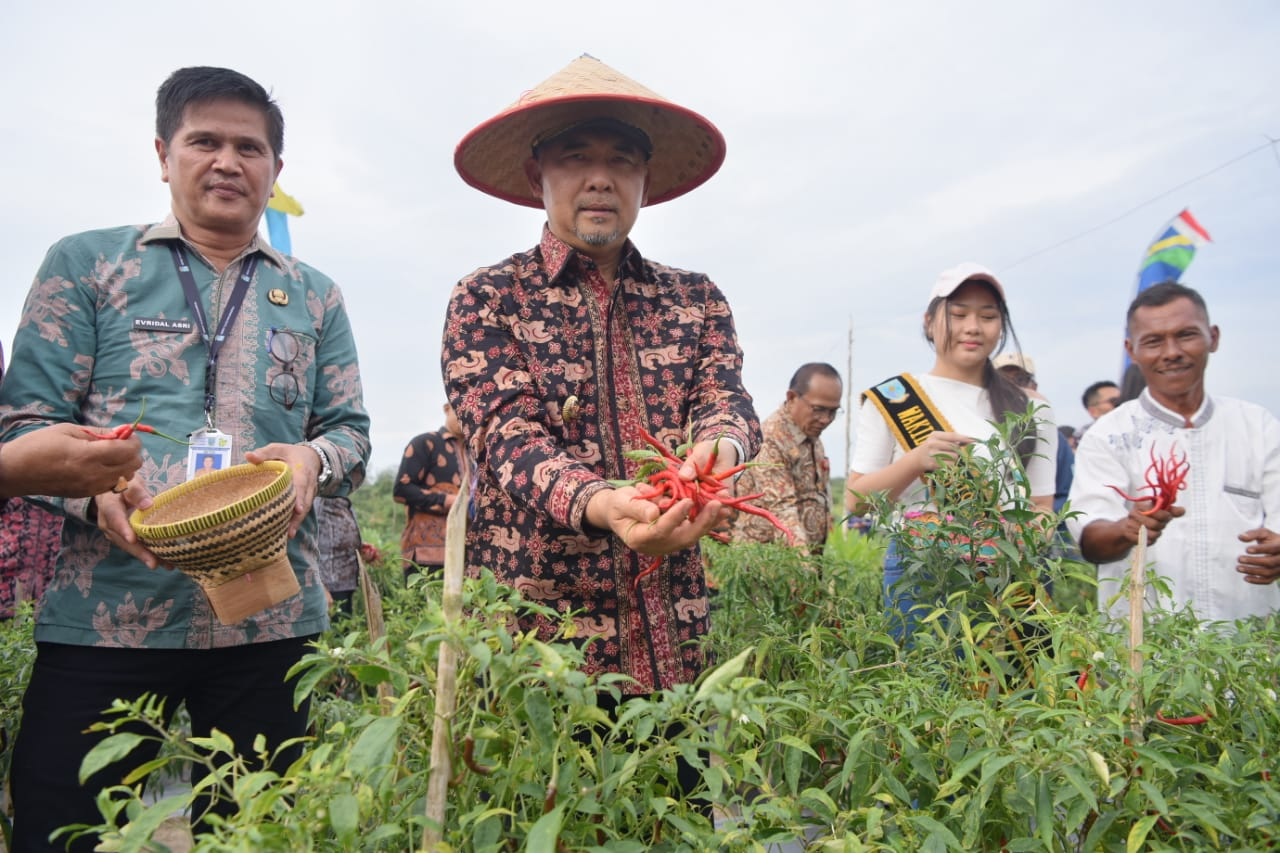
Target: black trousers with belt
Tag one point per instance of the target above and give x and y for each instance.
(239, 690)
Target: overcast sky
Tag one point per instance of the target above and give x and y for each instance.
(870, 146)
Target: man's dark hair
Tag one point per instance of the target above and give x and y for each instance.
(1092, 391)
(1131, 384)
(803, 378)
(199, 84)
(1161, 294)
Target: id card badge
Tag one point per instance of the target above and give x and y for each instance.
(209, 449)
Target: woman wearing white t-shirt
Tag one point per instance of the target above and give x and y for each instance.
(966, 322)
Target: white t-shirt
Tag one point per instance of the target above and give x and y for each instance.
(1233, 485)
(967, 409)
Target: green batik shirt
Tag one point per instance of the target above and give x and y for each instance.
(105, 327)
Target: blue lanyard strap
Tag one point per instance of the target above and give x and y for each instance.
(229, 313)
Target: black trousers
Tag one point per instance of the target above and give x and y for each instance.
(239, 690)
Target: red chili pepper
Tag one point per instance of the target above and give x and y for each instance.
(1165, 477)
(469, 758)
(657, 561)
(662, 472)
(124, 431)
(1183, 720)
(96, 435)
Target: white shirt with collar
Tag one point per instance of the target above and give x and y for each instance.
(1233, 485)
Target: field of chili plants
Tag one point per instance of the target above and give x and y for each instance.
(1011, 723)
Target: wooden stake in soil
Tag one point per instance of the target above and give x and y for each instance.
(1137, 595)
(377, 628)
(447, 669)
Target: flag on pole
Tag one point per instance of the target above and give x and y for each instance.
(1172, 250)
(1167, 258)
(279, 207)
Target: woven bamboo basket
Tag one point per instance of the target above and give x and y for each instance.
(227, 530)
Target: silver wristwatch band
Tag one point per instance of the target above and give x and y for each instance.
(326, 470)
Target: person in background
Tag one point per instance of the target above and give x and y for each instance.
(560, 358)
(223, 337)
(1073, 439)
(426, 485)
(338, 539)
(792, 471)
(1098, 399)
(910, 423)
(1219, 545)
(1021, 371)
(64, 458)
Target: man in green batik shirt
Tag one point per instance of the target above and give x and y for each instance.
(109, 325)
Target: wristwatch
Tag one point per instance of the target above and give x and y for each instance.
(326, 470)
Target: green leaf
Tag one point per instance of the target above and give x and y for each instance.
(963, 769)
(538, 708)
(543, 834)
(1138, 833)
(107, 752)
(797, 743)
(720, 677)
(375, 747)
(1155, 796)
(344, 815)
(481, 653)
(370, 675)
(137, 834)
(937, 830)
(1044, 811)
(143, 770)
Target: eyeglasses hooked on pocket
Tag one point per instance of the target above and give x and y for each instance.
(284, 346)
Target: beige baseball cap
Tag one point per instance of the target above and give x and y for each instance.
(954, 277)
(1014, 359)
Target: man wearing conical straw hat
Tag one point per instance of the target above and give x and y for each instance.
(558, 359)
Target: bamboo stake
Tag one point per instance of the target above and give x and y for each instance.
(1137, 596)
(441, 769)
(377, 629)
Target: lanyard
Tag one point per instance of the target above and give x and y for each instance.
(229, 313)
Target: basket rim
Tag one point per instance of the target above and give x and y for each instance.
(230, 511)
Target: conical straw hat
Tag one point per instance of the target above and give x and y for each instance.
(687, 148)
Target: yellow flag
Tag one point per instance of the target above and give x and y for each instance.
(283, 202)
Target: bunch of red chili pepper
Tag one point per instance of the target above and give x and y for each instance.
(1165, 477)
(124, 431)
(660, 468)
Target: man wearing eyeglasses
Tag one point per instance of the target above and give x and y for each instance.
(1099, 399)
(792, 471)
(199, 327)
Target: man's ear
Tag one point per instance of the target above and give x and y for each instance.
(1128, 349)
(1213, 338)
(163, 153)
(644, 197)
(533, 171)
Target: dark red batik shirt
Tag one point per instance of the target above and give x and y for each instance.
(553, 375)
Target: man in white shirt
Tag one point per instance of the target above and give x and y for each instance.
(1218, 546)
